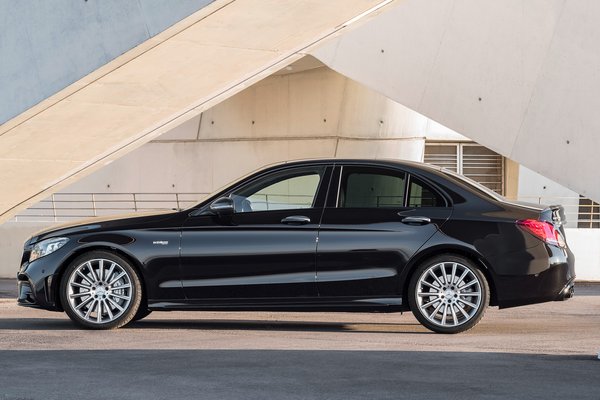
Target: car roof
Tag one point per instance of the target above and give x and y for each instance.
(362, 161)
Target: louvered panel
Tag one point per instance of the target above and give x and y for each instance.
(484, 166)
(442, 155)
(472, 160)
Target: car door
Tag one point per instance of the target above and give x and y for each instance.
(267, 248)
(375, 220)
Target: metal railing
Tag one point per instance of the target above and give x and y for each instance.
(580, 212)
(69, 206)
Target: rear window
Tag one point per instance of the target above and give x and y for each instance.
(366, 188)
(421, 195)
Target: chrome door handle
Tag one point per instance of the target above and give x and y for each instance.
(416, 220)
(296, 220)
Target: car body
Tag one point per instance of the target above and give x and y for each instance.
(327, 235)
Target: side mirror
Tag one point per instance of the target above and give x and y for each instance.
(223, 206)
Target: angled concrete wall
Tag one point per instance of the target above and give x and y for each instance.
(518, 76)
(47, 45)
(305, 111)
(163, 82)
(291, 115)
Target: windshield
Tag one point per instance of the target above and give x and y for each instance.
(478, 186)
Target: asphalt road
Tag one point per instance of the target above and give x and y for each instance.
(543, 351)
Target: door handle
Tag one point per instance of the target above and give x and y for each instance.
(416, 220)
(296, 220)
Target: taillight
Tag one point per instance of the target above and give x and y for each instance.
(543, 230)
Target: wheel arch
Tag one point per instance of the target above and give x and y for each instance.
(435, 251)
(95, 247)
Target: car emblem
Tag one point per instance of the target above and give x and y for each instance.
(161, 242)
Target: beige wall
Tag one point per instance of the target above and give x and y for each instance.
(306, 112)
(312, 113)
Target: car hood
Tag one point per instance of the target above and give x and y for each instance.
(130, 220)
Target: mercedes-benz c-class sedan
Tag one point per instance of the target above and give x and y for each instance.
(319, 235)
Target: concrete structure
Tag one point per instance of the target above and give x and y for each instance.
(228, 90)
(517, 76)
(48, 45)
(170, 78)
(305, 110)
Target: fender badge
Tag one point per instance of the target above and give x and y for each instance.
(161, 242)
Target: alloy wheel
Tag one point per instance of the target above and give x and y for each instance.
(99, 291)
(448, 294)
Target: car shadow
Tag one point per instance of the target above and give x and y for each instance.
(223, 324)
(285, 326)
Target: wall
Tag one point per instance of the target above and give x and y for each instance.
(585, 244)
(293, 115)
(47, 45)
(536, 188)
(517, 76)
(12, 237)
(305, 111)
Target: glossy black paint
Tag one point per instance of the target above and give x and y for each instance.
(320, 258)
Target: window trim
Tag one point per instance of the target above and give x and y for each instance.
(339, 191)
(319, 197)
(431, 185)
(434, 187)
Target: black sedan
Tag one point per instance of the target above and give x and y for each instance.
(322, 235)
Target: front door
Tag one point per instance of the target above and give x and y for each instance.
(378, 219)
(267, 248)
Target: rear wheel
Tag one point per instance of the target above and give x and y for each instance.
(448, 294)
(100, 290)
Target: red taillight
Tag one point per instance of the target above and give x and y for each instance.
(543, 230)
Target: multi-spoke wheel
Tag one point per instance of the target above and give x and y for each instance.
(100, 290)
(448, 294)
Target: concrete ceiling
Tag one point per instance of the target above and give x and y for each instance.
(204, 59)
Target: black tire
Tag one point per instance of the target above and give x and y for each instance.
(455, 298)
(141, 314)
(102, 296)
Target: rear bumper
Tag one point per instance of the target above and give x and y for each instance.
(568, 292)
(554, 282)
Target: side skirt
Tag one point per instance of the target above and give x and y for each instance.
(339, 304)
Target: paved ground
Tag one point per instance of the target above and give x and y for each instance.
(543, 351)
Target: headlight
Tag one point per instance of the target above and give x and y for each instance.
(46, 247)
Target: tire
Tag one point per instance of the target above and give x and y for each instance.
(100, 290)
(452, 301)
(141, 314)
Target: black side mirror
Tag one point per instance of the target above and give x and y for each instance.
(223, 206)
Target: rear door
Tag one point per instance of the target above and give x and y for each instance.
(376, 218)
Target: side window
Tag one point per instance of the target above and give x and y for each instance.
(286, 190)
(372, 188)
(421, 195)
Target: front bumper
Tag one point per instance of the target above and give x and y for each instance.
(37, 285)
(25, 295)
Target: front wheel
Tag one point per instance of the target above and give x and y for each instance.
(100, 290)
(448, 294)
